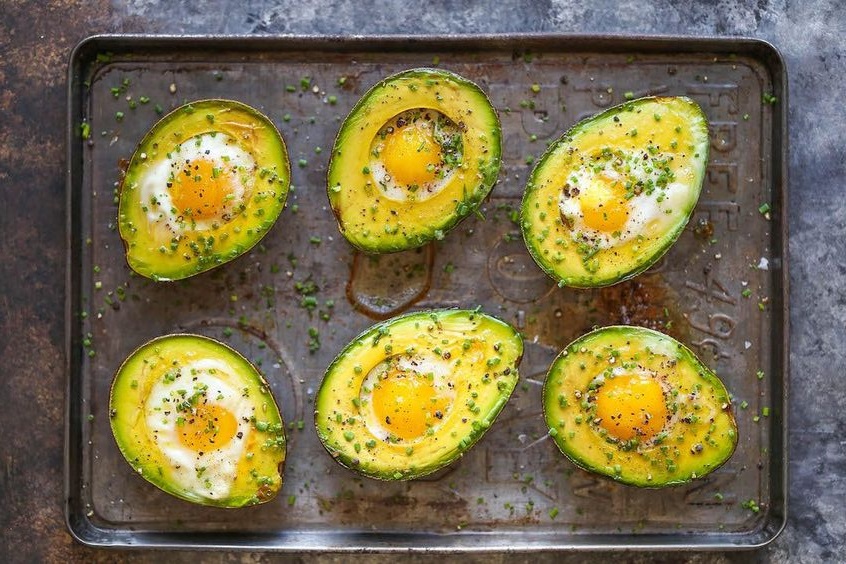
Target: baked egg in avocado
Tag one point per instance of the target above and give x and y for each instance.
(411, 394)
(418, 153)
(204, 185)
(610, 196)
(196, 419)
(639, 407)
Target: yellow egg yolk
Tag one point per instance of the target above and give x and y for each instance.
(207, 427)
(411, 154)
(604, 205)
(202, 188)
(631, 406)
(407, 403)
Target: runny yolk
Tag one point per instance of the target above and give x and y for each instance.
(202, 188)
(407, 403)
(209, 427)
(411, 154)
(631, 406)
(603, 205)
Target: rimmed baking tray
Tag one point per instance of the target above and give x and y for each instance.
(722, 289)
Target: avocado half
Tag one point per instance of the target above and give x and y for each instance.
(412, 394)
(613, 193)
(639, 407)
(417, 153)
(204, 185)
(196, 419)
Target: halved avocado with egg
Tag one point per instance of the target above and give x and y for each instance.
(412, 394)
(639, 407)
(196, 419)
(610, 196)
(204, 185)
(418, 153)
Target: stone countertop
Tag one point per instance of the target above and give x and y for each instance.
(35, 40)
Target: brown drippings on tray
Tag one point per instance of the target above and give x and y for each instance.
(350, 81)
(645, 302)
(123, 166)
(704, 229)
(381, 286)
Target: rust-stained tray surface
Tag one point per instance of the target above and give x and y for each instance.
(721, 289)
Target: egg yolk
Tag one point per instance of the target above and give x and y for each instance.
(631, 406)
(603, 205)
(202, 188)
(207, 427)
(407, 403)
(411, 154)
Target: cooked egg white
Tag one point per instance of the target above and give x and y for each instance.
(415, 154)
(607, 202)
(201, 425)
(203, 181)
(406, 397)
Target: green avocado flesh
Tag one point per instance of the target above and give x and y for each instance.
(196, 419)
(412, 394)
(637, 406)
(418, 153)
(204, 185)
(611, 195)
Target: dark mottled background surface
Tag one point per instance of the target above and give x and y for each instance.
(35, 40)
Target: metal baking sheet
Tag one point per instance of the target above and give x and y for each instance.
(722, 289)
